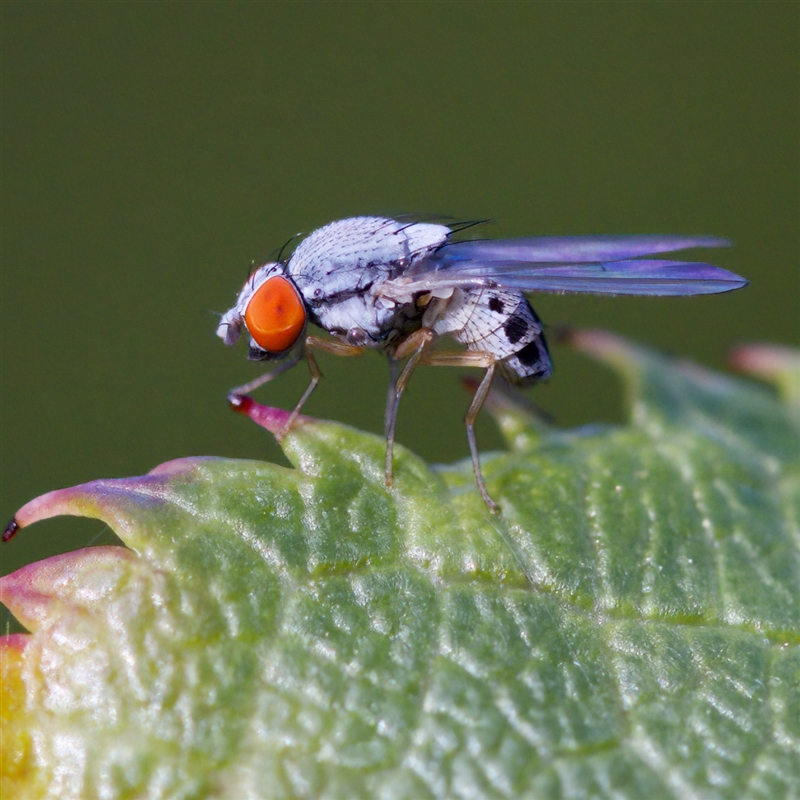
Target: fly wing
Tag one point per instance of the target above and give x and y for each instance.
(580, 264)
(646, 277)
(571, 249)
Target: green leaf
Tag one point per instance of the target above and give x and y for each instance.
(627, 627)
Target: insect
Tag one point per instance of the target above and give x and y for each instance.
(398, 286)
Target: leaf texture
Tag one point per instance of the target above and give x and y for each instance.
(628, 626)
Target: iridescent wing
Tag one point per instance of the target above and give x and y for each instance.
(585, 264)
(573, 249)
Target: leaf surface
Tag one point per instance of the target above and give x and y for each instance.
(628, 626)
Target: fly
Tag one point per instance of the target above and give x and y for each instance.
(385, 284)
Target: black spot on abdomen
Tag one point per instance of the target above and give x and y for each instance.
(516, 328)
(496, 304)
(534, 354)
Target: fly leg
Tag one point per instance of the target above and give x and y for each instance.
(413, 347)
(473, 359)
(394, 371)
(327, 345)
(248, 388)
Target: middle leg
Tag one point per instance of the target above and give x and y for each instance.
(413, 347)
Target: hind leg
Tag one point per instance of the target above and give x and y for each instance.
(471, 359)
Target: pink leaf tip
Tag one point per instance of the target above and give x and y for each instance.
(275, 420)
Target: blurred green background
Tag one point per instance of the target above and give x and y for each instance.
(152, 151)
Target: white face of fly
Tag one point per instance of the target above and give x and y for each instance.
(232, 323)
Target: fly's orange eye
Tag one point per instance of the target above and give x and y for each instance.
(275, 315)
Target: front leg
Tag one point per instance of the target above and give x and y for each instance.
(310, 343)
(248, 388)
(329, 346)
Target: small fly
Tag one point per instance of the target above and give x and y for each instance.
(397, 287)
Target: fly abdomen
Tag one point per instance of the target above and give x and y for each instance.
(500, 322)
(530, 359)
(529, 364)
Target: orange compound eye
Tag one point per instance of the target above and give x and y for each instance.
(275, 315)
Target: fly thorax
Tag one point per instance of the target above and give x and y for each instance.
(339, 270)
(375, 317)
